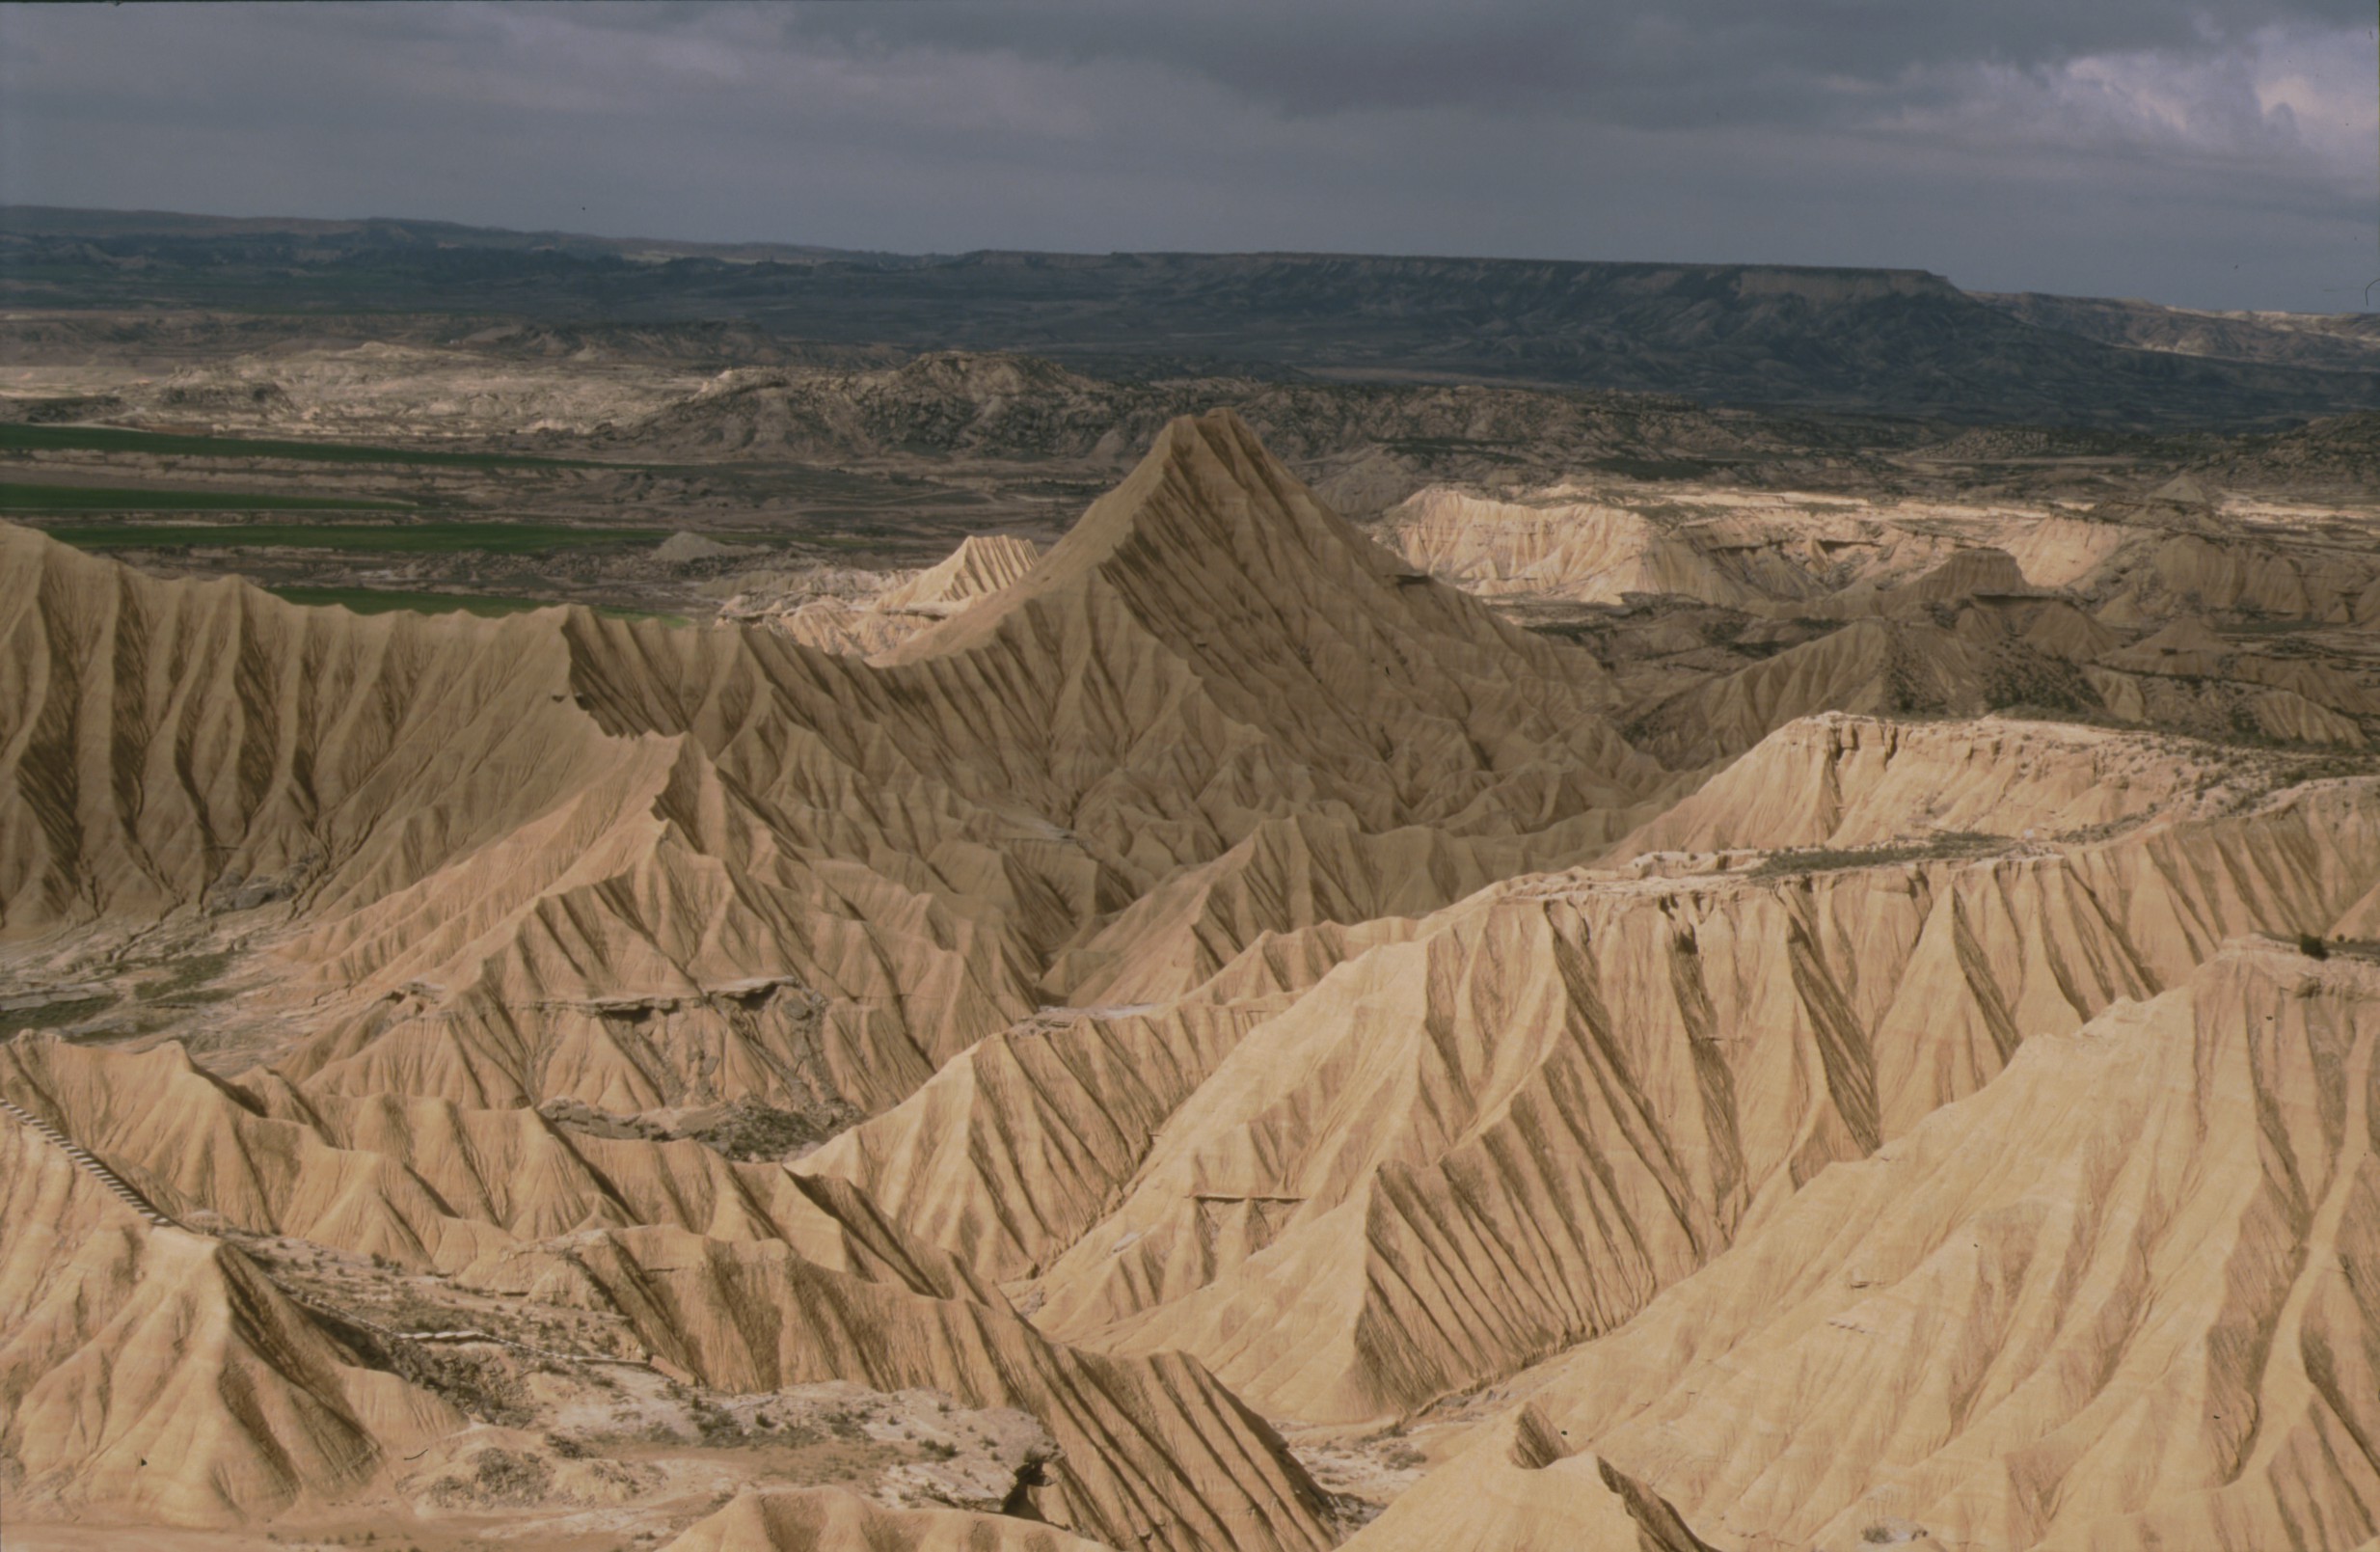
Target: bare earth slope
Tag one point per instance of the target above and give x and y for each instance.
(826, 877)
(2117, 1299)
(1505, 1132)
(157, 1371)
(486, 866)
(657, 1256)
(1212, 999)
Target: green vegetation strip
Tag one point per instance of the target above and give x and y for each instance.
(57, 1015)
(1949, 846)
(496, 539)
(382, 601)
(102, 499)
(20, 437)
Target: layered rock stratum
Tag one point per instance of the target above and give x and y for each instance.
(1211, 1036)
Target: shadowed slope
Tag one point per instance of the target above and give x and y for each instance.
(157, 1371)
(826, 1519)
(744, 1278)
(1211, 556)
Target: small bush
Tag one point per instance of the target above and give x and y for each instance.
(2312, 947)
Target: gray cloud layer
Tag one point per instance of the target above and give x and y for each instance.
(2214, 155)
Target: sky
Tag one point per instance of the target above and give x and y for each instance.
(2223, 154)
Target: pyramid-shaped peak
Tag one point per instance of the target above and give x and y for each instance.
(2183, 490)
(1215, 469)
(1213, 565)
(983, 564)
(1208, 509)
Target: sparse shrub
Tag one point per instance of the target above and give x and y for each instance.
(717, 1427)
(2312, 947)
(499, 1479)
(750, 1131)
(185, 978)
(843, 1425)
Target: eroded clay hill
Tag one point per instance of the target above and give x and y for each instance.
(1434, 1148)
(1208, 999)
(558, 856)
(1725, 613)
(2119, 1299)
(879, 621)
(487, 866)
(629, 1256)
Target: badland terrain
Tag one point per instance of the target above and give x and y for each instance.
(746, 899)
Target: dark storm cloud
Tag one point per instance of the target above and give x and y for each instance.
(1635, 64)
(2212, 155)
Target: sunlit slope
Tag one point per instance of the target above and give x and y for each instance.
(1242, 983)
(1362, 1168)
(1522, 1487)
(2116, 1300)
(561, 855)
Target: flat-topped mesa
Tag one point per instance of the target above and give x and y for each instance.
(1585, 551)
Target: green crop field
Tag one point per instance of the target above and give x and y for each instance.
(381, 601)
(15, 498)
(18, 438)
(401, 538)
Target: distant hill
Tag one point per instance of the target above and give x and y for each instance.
(2338, 340)
(265, 236)
(1872, 341)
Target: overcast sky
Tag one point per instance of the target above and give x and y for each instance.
(2206, 155)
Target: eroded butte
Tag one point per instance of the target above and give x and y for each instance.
(1857, 1028)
